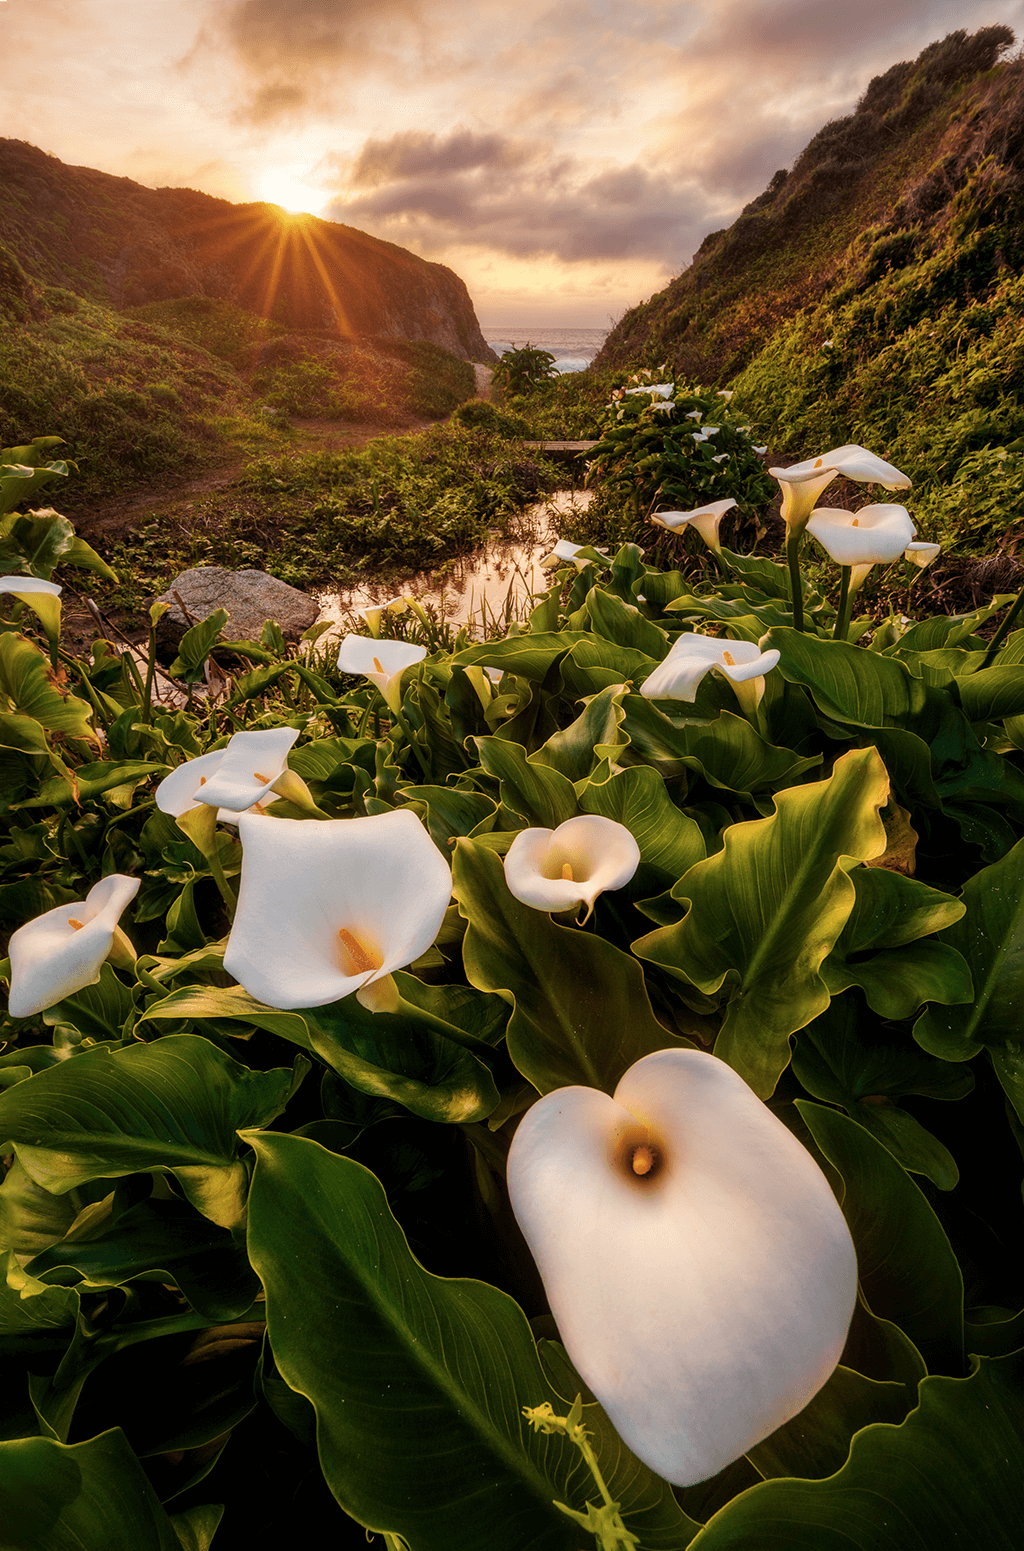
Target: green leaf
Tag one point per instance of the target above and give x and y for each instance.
(195, 646)
(38, 540)
(28, 1306)
(594, 737)
(582, 1013)
(767, 909)
(624, 625)
(945, 1480)
(529, 656)
(670, 841)
(90, 1496)
(992, 693)
(92, 780)
(908, 1271)
(419, 1381)
(728, 752)
(540, 796)
(991, 938)
(890, 912)
(451, 812)
(848, 683)
(816, 1442)
(199, 1002)
(176, 1104)
(29, 685)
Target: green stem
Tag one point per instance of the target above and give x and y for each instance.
(842, 623)
(147, 693)
(795, 579)
(1003, 631)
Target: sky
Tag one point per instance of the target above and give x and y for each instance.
(566, 160)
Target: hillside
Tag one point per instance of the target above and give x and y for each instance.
(875, 293)
(113, 241)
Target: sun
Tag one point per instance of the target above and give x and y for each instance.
(284, 186)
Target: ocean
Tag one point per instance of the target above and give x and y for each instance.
(573, 349)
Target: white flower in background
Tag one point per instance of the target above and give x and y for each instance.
(373, 612)
(560, 869)
(382, 662)
(26, 586)
(694, 414)
(565, 551)
(712, 430)
(691, 656)
(662, 389)
(664, 405)
(703, 1288)
(330, 908)
(761, 450)
(230, 779)
(706, 520)
(802, 483)
(699, 436)
(922, 554)
(720, 457)
(875, 535)
(63, 951)
(725, 393)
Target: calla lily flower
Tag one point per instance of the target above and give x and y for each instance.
(691, 656)
(382, 662)
(802, 483)
(231, 779)
(563, 550)
(372, 613)
(873, 536)
(560, 869)
(331, 908)
(22, 586)
(706, 520)
(921, 554)
(63, 951)
(663, 390)
(702, 1286)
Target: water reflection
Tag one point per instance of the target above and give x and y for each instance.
(493, 583)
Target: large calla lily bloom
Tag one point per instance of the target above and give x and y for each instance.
(560, 869)
(382, 662)
(875, 535)
(63, 951)
(231, 779)
(328, 908)
(706, 520)
(691, 656)
(698, 1267)
(802, 483)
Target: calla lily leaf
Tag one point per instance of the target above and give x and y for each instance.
(582, 1014)
(196, 645)
(456, 1463)
(624, 625)
(991, 938)
(908, 1271)
(176, 1104)
(767, 908)
(528, 656)
(670, 841)
(594, 737)
(534, 792)
(939, 1480)
(729, 753)
(849, 684)
(992, 693)
(29, 685)
(198, 1002)
(816, 1442)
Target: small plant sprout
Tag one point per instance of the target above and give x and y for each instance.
(703, 1288)
(705, 519)
(63, 951)
(603, 1522)
(382, 662)
(328, 909)
(564, 868)
(691, 656)
(232, 779)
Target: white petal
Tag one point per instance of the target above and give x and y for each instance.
(250, 764)
(922, 554)
(873, 536)
(706, 1302)
(302, 881)
(28, 584)
(357, 652)
(51, 959)
(601, 853)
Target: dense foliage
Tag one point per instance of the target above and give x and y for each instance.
(252, 1243)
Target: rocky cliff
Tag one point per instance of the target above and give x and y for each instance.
(114, 241)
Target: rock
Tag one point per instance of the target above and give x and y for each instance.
(250, 597)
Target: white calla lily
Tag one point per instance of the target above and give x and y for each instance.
(382, 662)
(691, 656)
(326, 909)
(875, 535)
(802, 483)
(232, 779)
(563, 550)
(373, 612)
(706, 520)
(563, 868)
(921, 554)
(662, 390)
(695, 1259)
(24, 586)
(63, 951)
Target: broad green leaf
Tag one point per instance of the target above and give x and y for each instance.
(908, 1271)
(29, 687)
(419, 1381)
(767, 909)
(992, 693)
(199, 1002)
(90, 1496)
(31, 1218)
(991, 938)
(867, 1075)
(542, 797)
(93, 780)
(529, 656)
(39, 540)
(890, 914)
(595, 736)
(82, 555)
(29, 1307)
(624, 625)
(946, 1479)
(450, 812)
(195, 646)
(816, 1442)
(594, 664)
(670, 841)
(97, 1012)
(582, 1014)
(728, 752)
(408, 1058)
(176, 1104)
(848, 683)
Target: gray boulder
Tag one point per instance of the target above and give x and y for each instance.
(250, 597)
